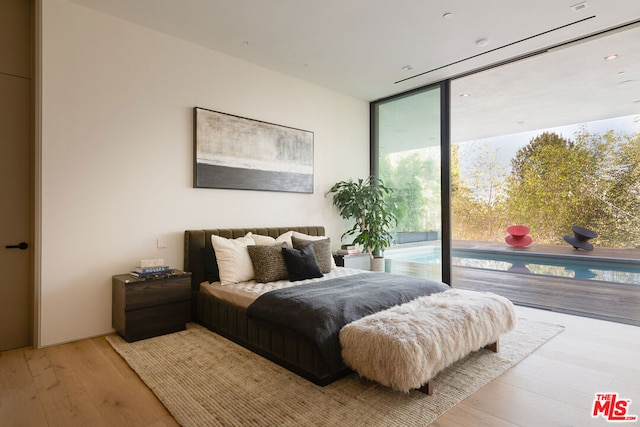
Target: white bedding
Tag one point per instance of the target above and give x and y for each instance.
(244, 293)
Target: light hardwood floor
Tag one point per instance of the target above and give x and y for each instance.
(87, 384)
(556, 385)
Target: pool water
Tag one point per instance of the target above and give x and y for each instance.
(620, 271)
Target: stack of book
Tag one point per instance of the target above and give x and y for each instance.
(348, 250)
(150, 267)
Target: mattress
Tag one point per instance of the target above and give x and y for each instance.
(244, 293)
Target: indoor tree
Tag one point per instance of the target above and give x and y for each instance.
(363, 201)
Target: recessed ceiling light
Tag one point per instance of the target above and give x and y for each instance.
(482, 42)
(447, 15)
(637, 101)
(620, 73)
(580, 6)
(465, 95)
(520, 122)
(407, 68)
(611, 57)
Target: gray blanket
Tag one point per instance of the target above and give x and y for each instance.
(319, 310)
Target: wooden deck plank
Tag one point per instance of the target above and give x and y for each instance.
(617, 302)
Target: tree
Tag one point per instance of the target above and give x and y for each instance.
(619, 191)
(550, 187)
(555, 183)
(363, 201)
(413, 176)
(407, 197)
(625, 195)
(478, 207)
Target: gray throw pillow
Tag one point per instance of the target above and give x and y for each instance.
(322, 249)
(268, 262)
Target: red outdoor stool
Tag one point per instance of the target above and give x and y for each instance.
(518, 235)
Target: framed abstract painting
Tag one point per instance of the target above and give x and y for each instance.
(235, 152)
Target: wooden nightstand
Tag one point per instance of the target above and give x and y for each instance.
(145, 308)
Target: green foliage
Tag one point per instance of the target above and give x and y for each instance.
(413, 177)
(478, 204)
(406, 198)
(364, 201)
(592, 181)
(618, 189)
(547, 186)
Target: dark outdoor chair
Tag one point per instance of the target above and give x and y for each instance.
(581, 237)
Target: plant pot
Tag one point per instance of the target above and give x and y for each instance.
(377, 264)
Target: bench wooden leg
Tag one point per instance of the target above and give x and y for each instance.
(493, 346)
(427, 388)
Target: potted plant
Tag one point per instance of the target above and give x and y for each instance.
(364, 201)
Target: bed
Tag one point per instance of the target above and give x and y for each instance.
(232, 312)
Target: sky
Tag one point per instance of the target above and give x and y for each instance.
(505, 147)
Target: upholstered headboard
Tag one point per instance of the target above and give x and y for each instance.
(196, 239)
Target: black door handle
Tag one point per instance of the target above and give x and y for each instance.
(21, 246)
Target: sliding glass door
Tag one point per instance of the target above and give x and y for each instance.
(550, 143)
(410, 155)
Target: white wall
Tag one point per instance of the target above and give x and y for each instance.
(117, 144)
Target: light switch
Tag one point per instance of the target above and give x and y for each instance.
(162, 242)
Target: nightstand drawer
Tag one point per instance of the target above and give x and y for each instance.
(156, 292)
(158, 320)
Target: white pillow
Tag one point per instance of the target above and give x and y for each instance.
(303, 236)
(233, 258)
(270, 241)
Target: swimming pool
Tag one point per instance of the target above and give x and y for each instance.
(572, 266)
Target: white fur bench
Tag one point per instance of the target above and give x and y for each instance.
(405, 346)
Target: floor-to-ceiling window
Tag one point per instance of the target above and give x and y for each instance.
(408, 146)
(551, 142)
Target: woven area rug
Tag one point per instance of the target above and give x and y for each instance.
(206, 380)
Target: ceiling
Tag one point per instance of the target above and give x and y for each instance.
(565, 86)
(570, 85)
(371, 49)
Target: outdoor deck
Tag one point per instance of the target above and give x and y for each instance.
(617, 302)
